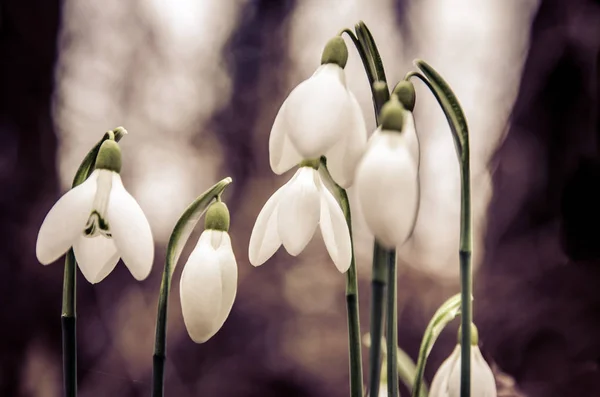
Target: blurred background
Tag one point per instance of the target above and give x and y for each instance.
(198, 83)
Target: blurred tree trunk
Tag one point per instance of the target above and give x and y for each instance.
(538, 311)
(28, 179)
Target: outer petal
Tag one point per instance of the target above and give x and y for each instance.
(130, 230)
(66, 221)
(299, 212)
(229, 276)
(483, 383)
(96, 257)
(200, 290)
(282, 154)
(317, 111)
(439, 385)
(264, 240)
(335, 231)
(344, 156)
(387, 185)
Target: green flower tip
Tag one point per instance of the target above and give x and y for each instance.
(335, 52)
(217, 217)
(474, 335)
(405, 91)
(109, 156)
(313, 163)
(392, 115)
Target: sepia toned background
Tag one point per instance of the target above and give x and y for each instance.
(198, 83)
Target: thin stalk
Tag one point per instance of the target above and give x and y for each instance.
(354, 334)
(377, 307)
(392, 324)
(460, 133)
(69, 327)
(352, 306)
(160, 343)
(466, 277)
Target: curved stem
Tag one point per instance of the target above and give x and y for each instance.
(458, 126)
(180, 235)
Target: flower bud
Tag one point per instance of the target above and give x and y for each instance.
(405, 91)
(335, 51)
(109, 156)
(217, 217)
(392, 115)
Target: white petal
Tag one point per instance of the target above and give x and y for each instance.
(96, 257)
(130, 230)
(229, 276)
(299, 211)
(200, 290)
(66, 221)
(335, 231)
(264, 240)
(483, 383)
(387, 185)
(344, 156)
(316, 112)
(412, 138)
(282, 154)
(439, 385)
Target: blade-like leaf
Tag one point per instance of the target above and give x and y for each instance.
(190, 217)
(450, 105)
(446, 313)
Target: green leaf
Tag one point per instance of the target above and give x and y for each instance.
(89, 161)
(446, 313)
(450, 105)
(188, 220)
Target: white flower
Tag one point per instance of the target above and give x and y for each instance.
(102, 222)
(208, 285)
(446, 382)
(291, 215)
(387, 184)
(320, 117)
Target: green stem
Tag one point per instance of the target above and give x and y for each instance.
(160, 344)
(354, 334)
(352, 306)
(466, 277)
(377, 306)
(460, 132)
(69, 327)
(180, 235)
(392, 324)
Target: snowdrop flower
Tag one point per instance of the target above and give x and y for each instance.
(291, 215)
(387, 177)
(446, 382)
(209, 279)
(321, 117)
(101, 221)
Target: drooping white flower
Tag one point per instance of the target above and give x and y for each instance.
(290, 217)
(209, 279)
(320, 117)
(446, 382)
(101, 221)
(387, 182)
